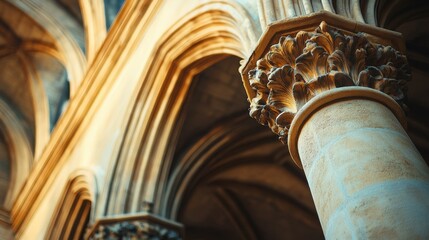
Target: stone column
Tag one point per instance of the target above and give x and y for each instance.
(335, 96)
(367, 179)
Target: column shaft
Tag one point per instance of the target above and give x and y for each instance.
(367, 179)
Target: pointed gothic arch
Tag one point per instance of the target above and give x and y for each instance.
(20, 152)
(67, 38)
(73, 212)
(206, 35)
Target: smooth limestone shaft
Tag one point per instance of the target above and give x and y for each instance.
(367, 178)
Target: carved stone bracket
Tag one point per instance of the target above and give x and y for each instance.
(143, 226)
(297, 68)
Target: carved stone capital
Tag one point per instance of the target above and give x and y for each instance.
(143, 226)
(298, 67)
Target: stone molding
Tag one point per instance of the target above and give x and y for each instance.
(65, 46)
(273, 10)
(19, 149)
(298, 68)
(76, 206)
(332, 96)
(185, 49)
(142, 226)
(95, 26)
(99, 78)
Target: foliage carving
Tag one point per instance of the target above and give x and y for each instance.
(298, 68)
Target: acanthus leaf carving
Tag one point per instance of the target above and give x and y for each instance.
(296, 69)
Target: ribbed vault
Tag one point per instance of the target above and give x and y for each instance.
(34, 90)
(227, 184)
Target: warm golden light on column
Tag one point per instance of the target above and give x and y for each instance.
(334, 95)
(367, 179)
